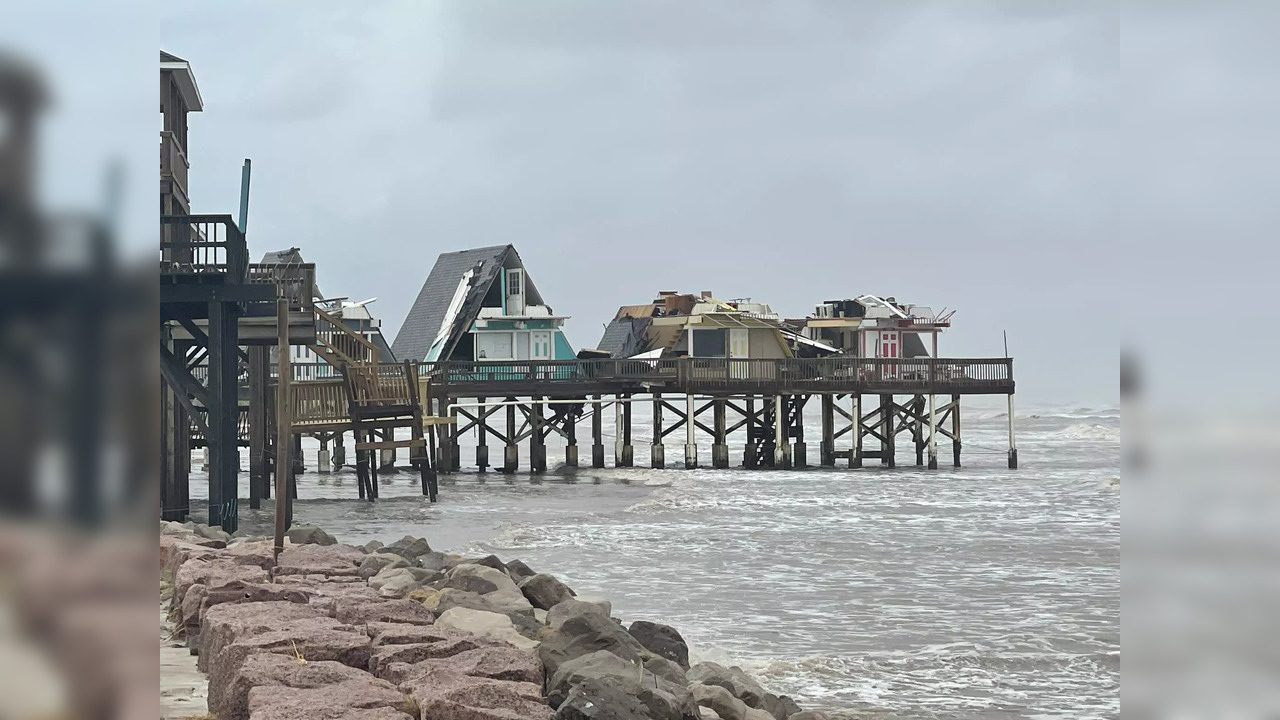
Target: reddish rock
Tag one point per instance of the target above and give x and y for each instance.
(498, 663)
(354, 611)
(392, 633)
(446, 695)
(253, 552)
(311, 640)
(177, 549)
(213, 572)
(326, 560)
(327, 702)
(231, 700)
(381, 657)
(223, 624)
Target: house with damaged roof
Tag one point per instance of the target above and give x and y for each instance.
(481, 304)
(687, 325)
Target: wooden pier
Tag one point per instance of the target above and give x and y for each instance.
(870, 402)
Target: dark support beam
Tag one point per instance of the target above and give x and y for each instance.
(570, 417)
(827, 451)
(537, 438)
(658, 456)
(799, 450)
(257, 425)
(223, 412)
(511, 452)
(720, 446)
(749, 455)
(955, 430)
(628, 457)
(482, 441)
(888, 435)
(597, 433)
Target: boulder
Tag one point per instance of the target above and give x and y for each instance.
(576, 628)
(490, 561)
(738, 683)
(372, 546)
(213, 572)
(526, 625)
(434, 561)
(518, 570)
(223, 624)
(231, 700)
(326, 560)
(310, 535)
(662, 640)
(780, 707)
(408, 547)
(665, 700)
(597, 600)
(374, 563)
(491, 625)
(396, 633)
(544, 591)
(200, 598)
(361, 612)
(499, 662)
(495, 585)
(439, 601)
(212, 533)
(725, 704)
(808, 715)
(397, 582)
(253, 552)
(595, 699)
(344, 699)
(175, 550)
(385, 657)
(445, 695)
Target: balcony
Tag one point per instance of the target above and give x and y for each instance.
(173, 163)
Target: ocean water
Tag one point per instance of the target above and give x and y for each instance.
(978, 592)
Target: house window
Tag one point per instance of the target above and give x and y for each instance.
(515, 284)
(493, 346)
(709, 342)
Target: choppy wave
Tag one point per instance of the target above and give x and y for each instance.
(671, 497)
(1091, 432)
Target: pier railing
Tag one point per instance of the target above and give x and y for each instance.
(203, 245)
(781, 376)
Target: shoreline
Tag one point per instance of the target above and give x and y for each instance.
(398, 631)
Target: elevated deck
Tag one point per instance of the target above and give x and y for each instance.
(718, 376)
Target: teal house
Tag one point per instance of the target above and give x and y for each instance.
(481, 304)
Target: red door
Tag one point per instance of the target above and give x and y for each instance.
(889, 349)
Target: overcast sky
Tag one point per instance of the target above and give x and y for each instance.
(1012, 164)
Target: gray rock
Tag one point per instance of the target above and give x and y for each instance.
(495, 585)
(526, 625)
(738, 683)
(809, 715)
(665, 700)
(376, 562)
(662, 640)
(725, 704)
(780, 707)
(211, 533)
(490, 561)
(310, 534)
(438, 601)
(544, 591)
(434, 561)
(518, 570)
(408, 547)
(397, 582)
(576, 628)
(597, 699)
(493, 626)
(373, 546)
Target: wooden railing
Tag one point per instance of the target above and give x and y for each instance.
(319, 402)
(203, 245)
(349, 345)
(840, 374)
(296, 281)
(389, 385)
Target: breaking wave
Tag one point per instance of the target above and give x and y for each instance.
(1091, 431)
(670, 497)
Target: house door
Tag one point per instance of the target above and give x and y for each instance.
(889, 349)
(738, 348)
(540, 342)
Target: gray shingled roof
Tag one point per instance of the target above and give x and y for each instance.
(423, 321)
(622, 336)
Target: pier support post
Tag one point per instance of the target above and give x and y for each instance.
(299, 462)
(780, 442)
(827, 450)
(855, 454)
(955, 430)
(1013, 447)
(571, 438)
(511, 453)
(690, 443)
(799, 452)
(257, 423)
(597, 434)
(917, 428)
(444, 452)
(339, 451)
(933, 432)
(628, 452)
(658, 456)
(388, 460)
(720, 448)
(323, 459)
(888, 446)
(750, 453)
(537, 446)
(482, 435)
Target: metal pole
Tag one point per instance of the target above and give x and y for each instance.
(284, 409)
(244, 196)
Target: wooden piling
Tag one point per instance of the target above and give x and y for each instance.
(628, 452)
(537, 445)
(720, 448)
(511, 453)
(691, 443)
(799, 449)
(1013, 447)
(658, 451)
(955, 430)
(257, 424)
(284, 425)
(888, 445)
(933, 432)
(570, 418)
(482, 432)
(597, 433)
(855, 454)
(827, 451)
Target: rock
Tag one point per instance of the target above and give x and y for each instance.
(725, 704)
(445, 695)
(231, 700)
(408, 547)
(662, 640)
(576, 628)
(310, 640)
(540, 615)
(490, 561)
(439, 601)
(483, 624)
(665, 700)
(544, 591)
(780, 707)
(594, 699)
(253, 552)
(309, 534)
(372, 546)
(200, 598)
(374, 563)
(495, 585)
(526, 625)
(344, 699)
(499, 662)
(223, 624)
(518, 570)
(434, 561)
(395, 633)
(360, 612)
(212, 533)
(737, 682)
(808, 715)
(386, 657)
(398, 582)
(212, 573)
(326, 560)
